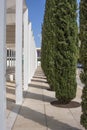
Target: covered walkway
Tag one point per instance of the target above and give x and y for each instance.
(36, 112)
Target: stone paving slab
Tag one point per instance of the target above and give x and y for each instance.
(37, 113)
(12, 117)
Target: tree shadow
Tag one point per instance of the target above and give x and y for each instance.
(38, 117)
(43, 119)
(50, 89)
(72, 104)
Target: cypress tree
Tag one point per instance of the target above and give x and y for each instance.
(48, 42)
(66, 47)
(83, 54)
(44, 41)
(61, 43)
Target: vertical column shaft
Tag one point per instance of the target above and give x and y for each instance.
(29, 43)
(2, 64)
(18, 72)
(26, 50)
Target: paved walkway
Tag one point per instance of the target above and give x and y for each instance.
(36, 112)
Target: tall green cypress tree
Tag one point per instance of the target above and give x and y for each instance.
(44, 41)
(66, 47)
(83, 53)
(59, 38)
(48, 41)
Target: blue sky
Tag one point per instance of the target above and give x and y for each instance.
(78, 1)
(36, 13)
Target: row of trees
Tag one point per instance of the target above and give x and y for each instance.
(60, 49)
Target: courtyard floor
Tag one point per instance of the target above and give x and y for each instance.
(37, 113)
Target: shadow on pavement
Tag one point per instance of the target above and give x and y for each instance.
(39, 117)
(39, 97)
(40, 77)
(10, 100)
(10, 90)
(72, 104)
(38, 86)
(42, 81)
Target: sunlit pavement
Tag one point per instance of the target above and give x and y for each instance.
(36, 112)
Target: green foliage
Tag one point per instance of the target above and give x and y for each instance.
(47, 54)
(83, 57)
(60, 47)
(66, 49)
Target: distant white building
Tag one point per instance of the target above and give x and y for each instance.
(38, 56)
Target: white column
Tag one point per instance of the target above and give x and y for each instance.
(2, 64)
(26, 50)
(36, 57)
(30, 54)
(29, 43)
(18, 73)
(33, 56)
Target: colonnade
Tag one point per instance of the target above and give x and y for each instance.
(25, 55)
(30, 52)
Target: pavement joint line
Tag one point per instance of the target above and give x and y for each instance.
(12, 117)
(14, 114)
(74, 117)
(45, 116)
(45, 110)
(9, 113)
